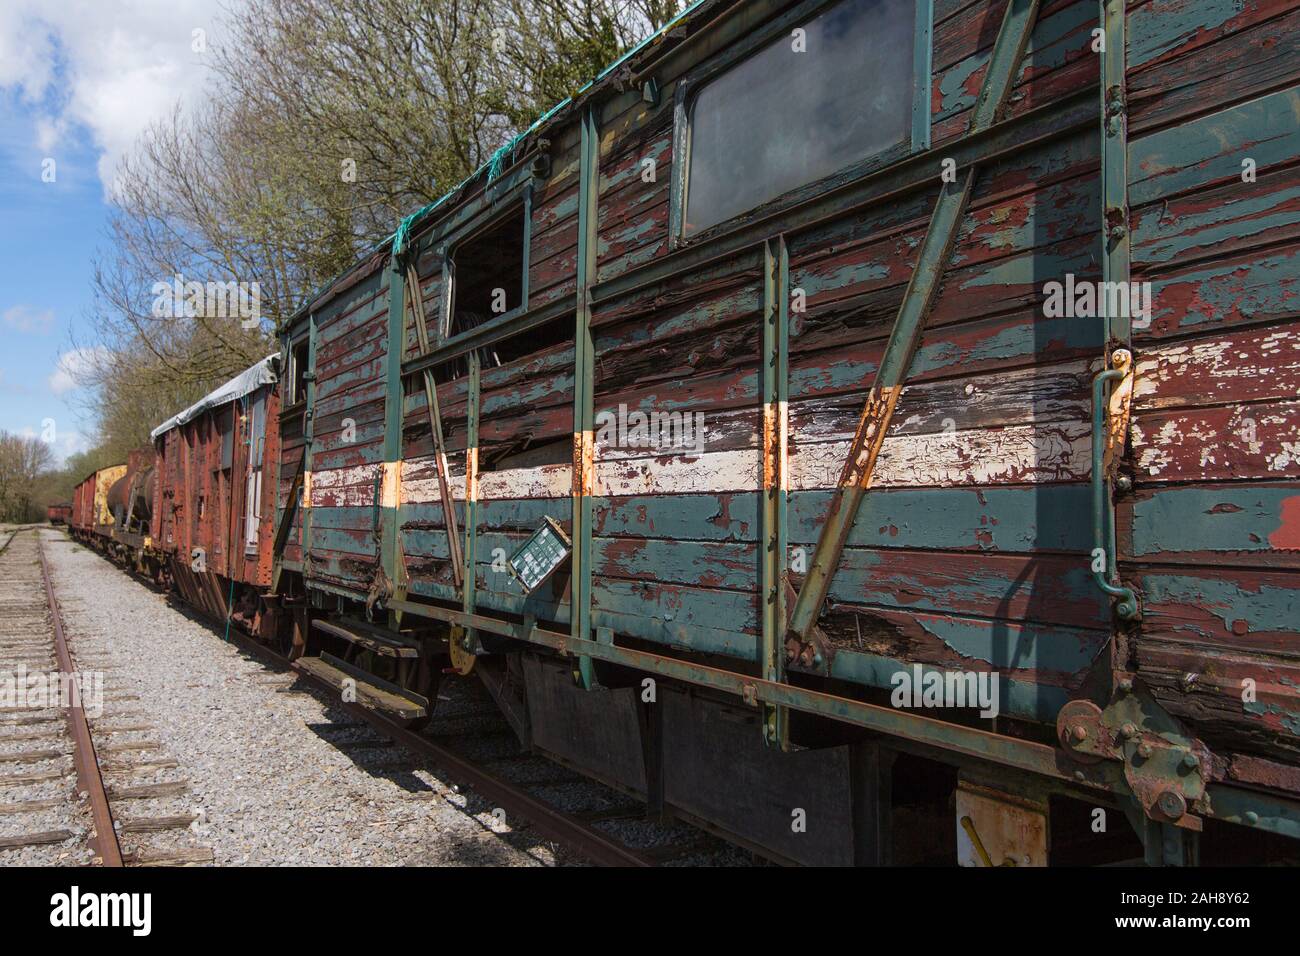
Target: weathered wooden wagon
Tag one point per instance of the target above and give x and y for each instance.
(839, 405)
(211, 520)
(92, 519)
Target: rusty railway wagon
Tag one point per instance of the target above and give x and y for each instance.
(59, 513)
(91, 518)
(864, 428)
(213, 501)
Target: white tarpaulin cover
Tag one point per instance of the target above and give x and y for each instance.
(249, 380)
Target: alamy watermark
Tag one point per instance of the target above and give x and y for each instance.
(213, 300)
(680, 432)
(1087, 299)
(21, 689)
(921, 688)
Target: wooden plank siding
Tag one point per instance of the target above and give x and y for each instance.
(348, 434)
(1210, 535)
(972, 548)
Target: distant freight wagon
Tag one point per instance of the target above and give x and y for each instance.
(864, 428)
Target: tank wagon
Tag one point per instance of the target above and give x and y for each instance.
(863, 428)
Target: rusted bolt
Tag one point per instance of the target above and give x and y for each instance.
(1128, 731)
(1252, 817)
(1172, 804)
(1124, 483)
(1080, 732)
(1144, 751)
(1126, 684)
(1191, 761)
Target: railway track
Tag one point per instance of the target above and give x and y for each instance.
(80, 782)
(469, 742)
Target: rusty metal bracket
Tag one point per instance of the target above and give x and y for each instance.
(1164, 767)
(936, 250)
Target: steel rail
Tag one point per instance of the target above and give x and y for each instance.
(89, 780)
(551, 822)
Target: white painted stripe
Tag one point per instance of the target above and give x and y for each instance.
(1018, 453)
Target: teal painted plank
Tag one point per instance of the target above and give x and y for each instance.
(1160, 27)
(1209, 149)
(1055, 590)
(710, 564)
(715, 622)
(728, 517)
(1247, 518)
(1224, 606)
(1043, 518)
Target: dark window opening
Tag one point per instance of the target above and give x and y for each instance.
(556, 451)
(489, 273)
(817, 100)
(298, 363)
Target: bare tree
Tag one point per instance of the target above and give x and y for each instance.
(325, 124)
(22, 460)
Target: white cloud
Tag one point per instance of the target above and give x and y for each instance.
(24, 318)
(72, 367)
(63, 443)
(108, 66)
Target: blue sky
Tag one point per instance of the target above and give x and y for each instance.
(79, 80)
(47, 241)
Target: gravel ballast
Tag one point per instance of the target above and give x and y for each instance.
(276, 776)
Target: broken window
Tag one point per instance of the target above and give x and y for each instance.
(299, 359)
(489, 273)
(489, 281)
(833, 92)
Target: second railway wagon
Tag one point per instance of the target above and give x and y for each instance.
(214, 501)
(840, 401)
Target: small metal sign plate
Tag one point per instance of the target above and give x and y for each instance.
(538, 558)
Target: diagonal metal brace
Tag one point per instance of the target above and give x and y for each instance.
(435, 426)
(936, 250)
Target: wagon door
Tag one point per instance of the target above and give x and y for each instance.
(253, 479)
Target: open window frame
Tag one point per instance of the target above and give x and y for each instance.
(690, 86)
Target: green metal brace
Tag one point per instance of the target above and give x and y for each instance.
(584, 410)
(1004, 61)
(394, 394)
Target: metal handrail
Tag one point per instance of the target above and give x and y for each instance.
(1127, 607)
